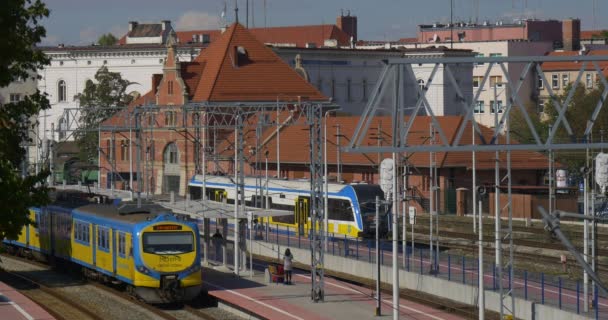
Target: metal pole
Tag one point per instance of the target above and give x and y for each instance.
(474, 190)
(482, 292)
(497, 209)
(395, 239)
(278, 142)
(431, 201)
(326, 195)
(405, 209)
(550, 177)
(131, 161)
(51, 147)
(339, 168)
(204, 166)
(236, 201)
(378, 298)
(586, 237)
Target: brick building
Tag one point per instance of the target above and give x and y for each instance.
(234, 69)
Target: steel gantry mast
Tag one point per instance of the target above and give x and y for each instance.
(389, 80)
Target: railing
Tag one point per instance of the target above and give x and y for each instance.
(555, 290)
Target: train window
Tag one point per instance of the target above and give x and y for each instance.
(103, 241)
(121, 244)
(340, 209)
(81, 232)
(168, 242)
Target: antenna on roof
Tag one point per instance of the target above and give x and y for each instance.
(236, 11)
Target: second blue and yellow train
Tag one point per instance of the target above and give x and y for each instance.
(150, 250)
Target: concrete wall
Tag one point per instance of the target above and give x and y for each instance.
(428, 284)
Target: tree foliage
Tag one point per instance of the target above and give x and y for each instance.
(107, 39)
(602, 35)
(19, 58)
(578, 112)
(99, 101)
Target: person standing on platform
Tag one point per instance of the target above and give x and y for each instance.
(217, 243)
(288, 265)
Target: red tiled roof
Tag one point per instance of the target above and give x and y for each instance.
(588, 34)
(260, 75)
(573, 65)
(294, 142)
(408, 40)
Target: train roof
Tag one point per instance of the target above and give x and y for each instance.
(125, 212)
(300, 185)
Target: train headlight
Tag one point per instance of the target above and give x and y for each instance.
(143, 270)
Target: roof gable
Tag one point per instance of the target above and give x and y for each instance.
(237, 67)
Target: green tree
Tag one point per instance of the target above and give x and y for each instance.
(107, 39)
(99, 101)
(602, 35)
(578, 112)
(19, 58)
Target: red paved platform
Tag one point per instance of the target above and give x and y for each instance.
(15, 306)
(278, 301)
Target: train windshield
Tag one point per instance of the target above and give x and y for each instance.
(366, 195)
(168, 242)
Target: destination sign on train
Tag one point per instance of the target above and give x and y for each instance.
(167, 227)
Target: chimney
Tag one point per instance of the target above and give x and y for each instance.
(166, 24)
(132, 25)
(156, 79)
(348, 24)
(571, 33)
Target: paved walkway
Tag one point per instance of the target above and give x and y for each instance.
(279, 301)
(15, 306)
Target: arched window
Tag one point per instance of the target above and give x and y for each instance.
(63, 128)
(171, 154)
(421, 86)
(61, 91)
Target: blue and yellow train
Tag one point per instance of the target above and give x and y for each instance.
(150, 250)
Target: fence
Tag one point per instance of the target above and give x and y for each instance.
(566, 294)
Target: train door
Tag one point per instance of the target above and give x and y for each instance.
(302, 210)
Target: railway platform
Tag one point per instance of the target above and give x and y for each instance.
(256, 298)
(16, 306)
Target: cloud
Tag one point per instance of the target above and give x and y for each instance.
(197, 20)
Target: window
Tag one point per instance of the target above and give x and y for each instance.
(122, 245)
(168, 242)
(565, 80)
(89, 62)
(496, 81)
(170, 118)
(171, 154)
(421, 85)
(132, 61)
(589, 81)
(124, 150)
(555, 81)
(348, 91)
(103, 239)
(364, 89)
(60, 63)
(15, 97)
(61, 91)
(493, 107)
(105, 62)
(339, 209)
(477, 81)
(479, 107)
(160, 61)
(540, 82)
(170, 87)
(479, 55)
(81, 232)
(493, 55)
(62, 128)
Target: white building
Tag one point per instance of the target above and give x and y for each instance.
(484, 112)
(349, 76)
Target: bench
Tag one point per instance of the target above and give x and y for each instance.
(277, 274)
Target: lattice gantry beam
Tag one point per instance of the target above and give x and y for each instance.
(513, 86)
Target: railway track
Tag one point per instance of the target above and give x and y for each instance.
(64, 306)
(58, 304)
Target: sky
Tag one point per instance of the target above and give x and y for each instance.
(81, 22)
